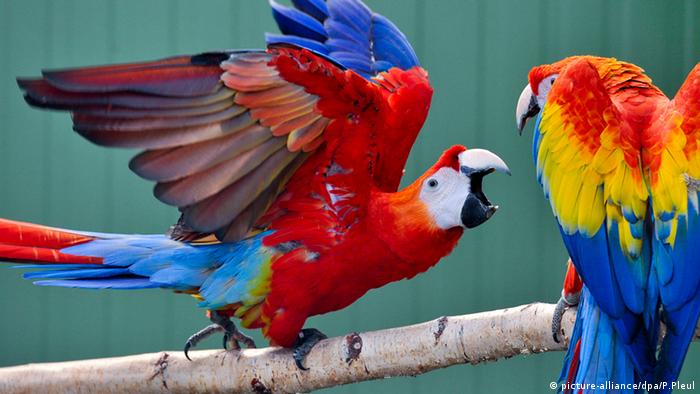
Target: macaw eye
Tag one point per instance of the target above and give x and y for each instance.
(551, 81)
(432, 183)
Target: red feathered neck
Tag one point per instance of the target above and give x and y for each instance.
(405, 224)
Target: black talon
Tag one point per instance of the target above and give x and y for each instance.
(308, 338)
(221, 323)
(200, 335)
(565, 301)
(557, 317)
(232, 336)
(225, 342)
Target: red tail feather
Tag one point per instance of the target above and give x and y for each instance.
(27, 242)
(573, 368)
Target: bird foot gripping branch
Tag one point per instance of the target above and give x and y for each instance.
(220, 323)
(570, 295)
(308, 338)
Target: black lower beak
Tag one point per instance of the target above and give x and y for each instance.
(532, 110)
(477, 208)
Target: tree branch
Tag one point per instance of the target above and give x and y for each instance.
(410, 350)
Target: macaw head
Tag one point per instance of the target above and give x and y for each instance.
(423, 222)
(452, 189)
(534, 96)
(450, 193)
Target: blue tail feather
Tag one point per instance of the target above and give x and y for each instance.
(118, 283)
(222, 273)
(604, 358)
(77, 273)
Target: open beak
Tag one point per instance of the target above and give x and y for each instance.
(527, 108)
(476, 164)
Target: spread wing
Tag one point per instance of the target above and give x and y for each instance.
(589, 170)
(221, 132)
(673, 163)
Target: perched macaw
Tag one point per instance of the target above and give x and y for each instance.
(285, 164)
(620, 164)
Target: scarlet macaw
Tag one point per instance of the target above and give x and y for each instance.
(620, 164)
(285, 164)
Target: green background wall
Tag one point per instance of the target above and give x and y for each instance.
(478, 54)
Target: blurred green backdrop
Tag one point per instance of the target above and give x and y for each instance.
(478, 54)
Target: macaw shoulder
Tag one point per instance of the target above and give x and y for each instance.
(406, 88)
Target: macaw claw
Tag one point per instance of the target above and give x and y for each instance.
(308, 338)
(570, 295)
(557, 317)
(562, 305)
(232, 337)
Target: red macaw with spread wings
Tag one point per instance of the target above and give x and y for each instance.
(285, 164)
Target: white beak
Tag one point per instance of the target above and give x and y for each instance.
(481, 160)
(527, 107)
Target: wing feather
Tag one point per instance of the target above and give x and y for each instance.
(673, 164)
(198, 186)
(207, 124)
(211, 214)
(169, 164)
(347, 31)
(219, 130)
(168, 138)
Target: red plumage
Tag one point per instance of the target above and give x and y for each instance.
(29, 242)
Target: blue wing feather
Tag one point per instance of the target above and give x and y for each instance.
(294, 22)
(345, 30)
(338, 29)
(315, 8)
(616, 285)
(679, 288)
(348, 46)
(315, 46)
(591, 258)
(677, 266)
(352, 13)
(391, 44)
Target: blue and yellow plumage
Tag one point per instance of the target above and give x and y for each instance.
(612, 156)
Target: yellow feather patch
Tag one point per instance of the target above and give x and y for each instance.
(586, 186)
(260, 287)
(669, 187)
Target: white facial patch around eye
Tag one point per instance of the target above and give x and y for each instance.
(544, 87)
(444, 194)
